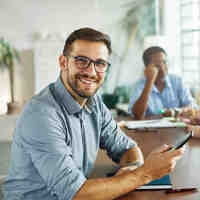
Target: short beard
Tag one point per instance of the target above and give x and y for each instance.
(76, 91)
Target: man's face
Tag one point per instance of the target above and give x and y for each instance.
(84, 83)
(159, 59)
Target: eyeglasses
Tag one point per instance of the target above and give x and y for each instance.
(83, 62)
(165, 62)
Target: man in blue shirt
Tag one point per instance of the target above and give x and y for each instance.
(159, 90)
(60, 130)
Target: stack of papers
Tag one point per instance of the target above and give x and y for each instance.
(156, 123)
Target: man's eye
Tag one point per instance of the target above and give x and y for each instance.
(82, 60)
(101, 63)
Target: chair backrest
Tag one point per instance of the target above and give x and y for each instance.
(1, 183)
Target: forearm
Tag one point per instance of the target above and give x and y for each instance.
(109, 188)
(114, 187)
(133, 155)
(140, 106)
(157, 164)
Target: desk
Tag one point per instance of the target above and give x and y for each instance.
(186, 173)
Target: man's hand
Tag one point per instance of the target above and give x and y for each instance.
(151, 72)
(133, 155)
(131, 160)
(140, 106)
(157, 164)
(161, 162)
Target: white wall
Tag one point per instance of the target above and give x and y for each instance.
(39, 28)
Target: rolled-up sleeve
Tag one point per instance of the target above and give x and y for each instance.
(113, 139)
(48, 144)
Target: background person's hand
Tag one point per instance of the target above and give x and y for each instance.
(151, 72)
(195, 121)
(161, 161)
(191, 114)
(188, 112)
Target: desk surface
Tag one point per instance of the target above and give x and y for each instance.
(185, 174)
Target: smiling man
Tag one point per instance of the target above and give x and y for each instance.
(60, 131)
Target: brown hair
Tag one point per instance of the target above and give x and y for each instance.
(88, 34)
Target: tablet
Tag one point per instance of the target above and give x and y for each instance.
(183, 140)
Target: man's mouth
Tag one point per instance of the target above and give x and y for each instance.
(87, 81)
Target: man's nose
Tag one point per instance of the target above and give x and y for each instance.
(91, 68)
(160, 65)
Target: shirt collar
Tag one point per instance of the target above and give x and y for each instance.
(168, 84)
(69, 102)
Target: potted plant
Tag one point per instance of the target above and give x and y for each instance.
(7, 56)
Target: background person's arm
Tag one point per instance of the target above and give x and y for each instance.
(157, 164)
(140, 106)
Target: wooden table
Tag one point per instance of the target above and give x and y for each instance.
(186, 173)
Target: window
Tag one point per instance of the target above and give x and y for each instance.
(190, 41)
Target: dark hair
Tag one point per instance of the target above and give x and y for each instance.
(149, 52)
(88, 34)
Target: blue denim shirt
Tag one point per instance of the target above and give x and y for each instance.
(174, 95)
(54, 149)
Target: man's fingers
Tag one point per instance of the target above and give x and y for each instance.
(178, 152)
(162, 148)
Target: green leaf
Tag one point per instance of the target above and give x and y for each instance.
(7, 54)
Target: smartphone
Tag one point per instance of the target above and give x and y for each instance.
(182, 141)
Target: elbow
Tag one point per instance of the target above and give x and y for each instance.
(138, 116)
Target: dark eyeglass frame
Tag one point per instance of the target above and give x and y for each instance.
(165, 62)
(97, 69)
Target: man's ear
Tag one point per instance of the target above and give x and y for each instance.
(63, 61)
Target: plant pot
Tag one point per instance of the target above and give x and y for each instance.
(13, 107)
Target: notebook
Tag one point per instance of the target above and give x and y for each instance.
(158, 184)
(157, 123)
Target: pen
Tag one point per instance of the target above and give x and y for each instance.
(181, 190)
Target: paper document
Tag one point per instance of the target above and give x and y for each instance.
(156, 123)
